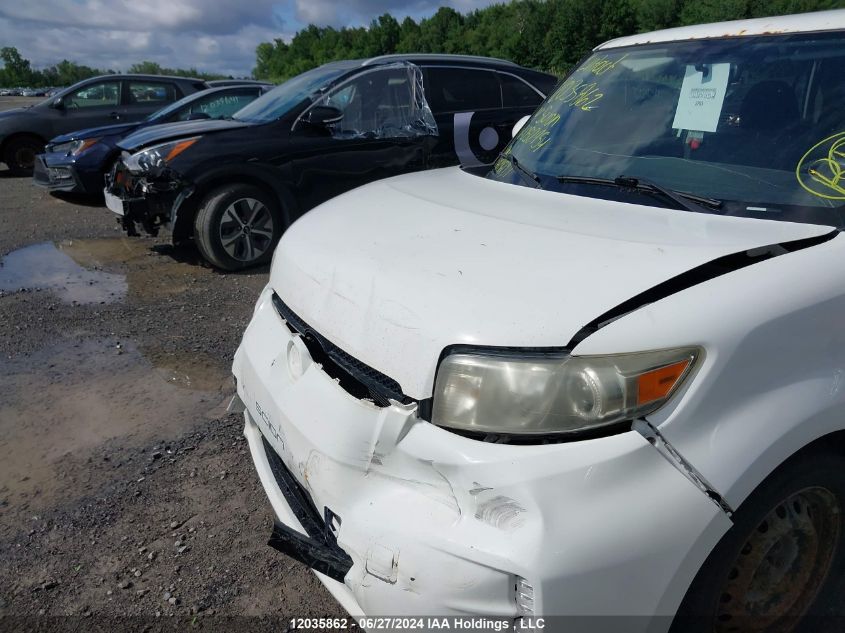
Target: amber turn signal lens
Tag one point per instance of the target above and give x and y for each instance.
(86, 144)
(179, 148)
(658, 383)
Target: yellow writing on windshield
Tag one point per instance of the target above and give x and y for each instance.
(820, 170)
(503, 166)
(547, 118)
(579, 94)
(535, 134)
(601, 64)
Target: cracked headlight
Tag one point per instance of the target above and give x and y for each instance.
(157, 156)
(73, 148)
(535, 393)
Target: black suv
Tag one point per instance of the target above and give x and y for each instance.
(90, 103)
(233, 186)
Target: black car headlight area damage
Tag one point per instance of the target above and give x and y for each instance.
(148, 185)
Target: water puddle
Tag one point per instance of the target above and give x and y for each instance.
(73, 397)
(47, 266)
(195, 370)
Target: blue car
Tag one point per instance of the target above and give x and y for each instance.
(76, 162)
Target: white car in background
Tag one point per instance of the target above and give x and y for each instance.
(605, 377)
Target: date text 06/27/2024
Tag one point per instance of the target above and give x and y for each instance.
(392, 623)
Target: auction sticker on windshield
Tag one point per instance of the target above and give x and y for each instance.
(702, 95)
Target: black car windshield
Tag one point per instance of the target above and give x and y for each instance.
(755, 124)
(281, 99)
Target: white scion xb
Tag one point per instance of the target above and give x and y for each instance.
(604, 376)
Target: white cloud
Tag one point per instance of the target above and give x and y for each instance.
(210, 35)
(219, 16)
(229, 54)
(331, 12)
(218, 36)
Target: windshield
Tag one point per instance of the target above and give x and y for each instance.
(281, 99)
(754, 123)
(176, 105)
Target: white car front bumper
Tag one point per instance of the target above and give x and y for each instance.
(439, 524)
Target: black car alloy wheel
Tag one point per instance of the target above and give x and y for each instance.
(237, 226)
(246, 229)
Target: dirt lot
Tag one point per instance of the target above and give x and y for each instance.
(126, 491)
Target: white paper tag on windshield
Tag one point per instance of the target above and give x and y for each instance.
(701, 98)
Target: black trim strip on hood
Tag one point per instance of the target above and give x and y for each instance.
(698, 275)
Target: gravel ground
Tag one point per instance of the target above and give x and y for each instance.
(126, 491)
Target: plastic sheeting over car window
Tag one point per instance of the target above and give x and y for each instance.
(383, 102)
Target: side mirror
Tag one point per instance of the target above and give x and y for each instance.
(194, 116)
(58, 104)
(519, 125)
(323, 116)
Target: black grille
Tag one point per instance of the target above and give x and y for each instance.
(359, 379)
(297, 497)
(319, 550)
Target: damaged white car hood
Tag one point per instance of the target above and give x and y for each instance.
(395, 271)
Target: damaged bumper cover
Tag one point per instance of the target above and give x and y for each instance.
(435, 523)
(147, 200)
(319, 549)
(57, 174)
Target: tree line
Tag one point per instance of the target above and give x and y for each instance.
(549, 35)
(18, 72)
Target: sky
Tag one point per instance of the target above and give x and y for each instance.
(210, 35)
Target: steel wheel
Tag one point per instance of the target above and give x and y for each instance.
(782, 565)
(246, 229)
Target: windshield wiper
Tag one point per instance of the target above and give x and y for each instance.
(525, 173)
(687, 201)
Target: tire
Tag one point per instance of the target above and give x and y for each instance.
(237, 226)
(782, 561)
(20, 152)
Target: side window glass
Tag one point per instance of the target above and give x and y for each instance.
(151, 93)
(518, 94)
(342, 98)
(106, 93)
(460, 89)
(383, 103)
(218, 106)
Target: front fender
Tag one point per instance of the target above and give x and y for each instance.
(22, 123)
(773, 377)
(203, 180)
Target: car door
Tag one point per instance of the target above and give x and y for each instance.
(386, 130)
(467, 104)
(142, 97)
(92, 105)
